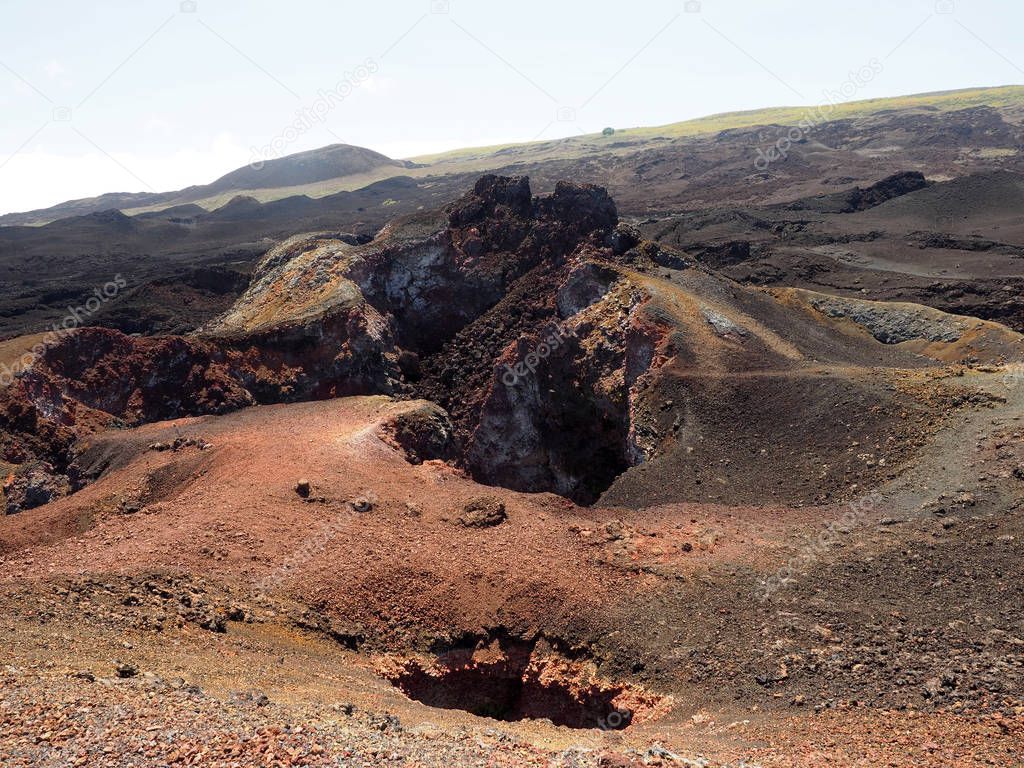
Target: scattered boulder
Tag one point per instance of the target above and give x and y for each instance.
(179, 443)
(129, 507)
(409, 365)
(125, 670)
(623, 238)
(423, 433)
(212, 621)
(361, 504)
(483, 512)
(38, 486)
(249, 698)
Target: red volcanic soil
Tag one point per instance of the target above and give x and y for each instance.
(802, 545)
(196, 531)
(231, 511)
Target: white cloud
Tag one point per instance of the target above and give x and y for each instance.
(377, 84)
(53, 69)
(158, 126)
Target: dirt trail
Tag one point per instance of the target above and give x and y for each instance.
(947, 467)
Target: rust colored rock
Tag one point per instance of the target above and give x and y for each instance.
(483, 512)
(325, 316)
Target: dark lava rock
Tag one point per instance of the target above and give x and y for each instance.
(36, 487)
(423, 434)
(125, 670)
(623, 238)
(863, 198)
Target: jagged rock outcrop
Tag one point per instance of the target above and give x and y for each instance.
(326, 315)
(557, 415)
(39, 484)
(863, 198)
(424, 277)
(566, 354)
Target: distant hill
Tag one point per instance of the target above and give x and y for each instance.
(336, 161)
(345, 168)
(701, 185)
(316, 165)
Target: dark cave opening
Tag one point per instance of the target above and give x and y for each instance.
(515, 688)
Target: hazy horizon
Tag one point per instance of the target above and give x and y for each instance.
(179, 93)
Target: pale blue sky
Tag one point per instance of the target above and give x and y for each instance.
(136, 95)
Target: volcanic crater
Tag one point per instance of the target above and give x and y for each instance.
(513, 459)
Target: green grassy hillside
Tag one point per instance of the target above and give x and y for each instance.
(1006, 97)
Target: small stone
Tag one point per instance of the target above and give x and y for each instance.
(213, 621)
(361, 504)
(303, 488)
(125, 670)
(483, 512)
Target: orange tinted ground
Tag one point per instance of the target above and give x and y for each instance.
(404, 572)
(231, 512)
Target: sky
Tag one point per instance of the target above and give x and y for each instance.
(154, 95)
